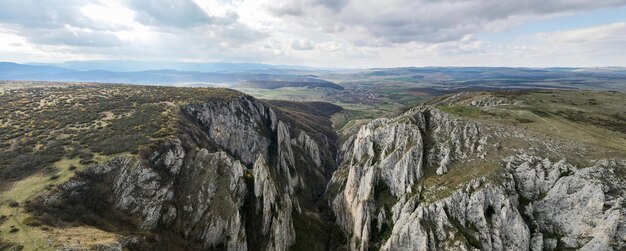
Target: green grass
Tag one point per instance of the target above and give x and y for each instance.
(286, 93)
(405, 79)
(26, 188)
(588, 117)
(31, 236)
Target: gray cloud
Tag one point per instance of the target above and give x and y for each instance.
(367, 32)
(302, 45)
(76, 37)
(402, 21)
(56, 22)
(298, 8)
(48, 14)
(60, 22)
(175, 13)
(233, 35)
(191, 23)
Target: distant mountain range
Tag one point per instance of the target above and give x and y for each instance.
(129, 66)
(140, 73)
(276, 76)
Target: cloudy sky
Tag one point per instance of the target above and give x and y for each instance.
(327, 33)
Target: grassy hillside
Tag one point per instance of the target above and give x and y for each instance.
(43, 124)
(595, 119)
(50, 131)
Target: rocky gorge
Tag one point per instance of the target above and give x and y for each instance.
(383, 198)
(248, 175)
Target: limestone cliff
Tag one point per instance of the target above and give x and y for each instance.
(426, 180)
(246, 175)
(233, 178)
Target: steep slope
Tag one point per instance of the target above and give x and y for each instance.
(233, 177)
(224, 171)
(428, 180)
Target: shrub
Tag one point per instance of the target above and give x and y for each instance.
(86, 161)
(31, 221)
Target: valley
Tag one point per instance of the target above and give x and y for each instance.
(88, 165)
(312, 125)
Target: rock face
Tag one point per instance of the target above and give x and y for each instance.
(234, 125)
(241, 175)
(567, 207)
(232, 180)
(386, 160)
(382, 196)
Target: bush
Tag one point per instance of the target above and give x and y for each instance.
(524, 120)
(86, 161)
(31, 221)
(85, 155)
(14, 229)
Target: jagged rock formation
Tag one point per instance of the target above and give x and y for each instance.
(567, 207)
(391, 155)
(232, 179)
(242, 175)
(383, 200)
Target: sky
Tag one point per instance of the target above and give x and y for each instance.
(318, 33)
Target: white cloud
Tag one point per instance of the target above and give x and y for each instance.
(344, 33)
(329, 46)
(599, 35)
(404, 21)
(302, 45)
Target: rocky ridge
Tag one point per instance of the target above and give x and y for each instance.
(244, 175)
(383, 199)
(231, 180)
(473, 99)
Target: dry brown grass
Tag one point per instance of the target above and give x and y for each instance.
(436, 187)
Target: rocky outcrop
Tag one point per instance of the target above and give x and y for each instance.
(310, 147)
(487, 102)
(567, 207)
(536, 205)
(241, 127)
(232, 179)
(242, 175)
(477, 216)
(199, 199)
(452, 139)
(383, 199)
(473, 99)
(275, 208)
(388, 157)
